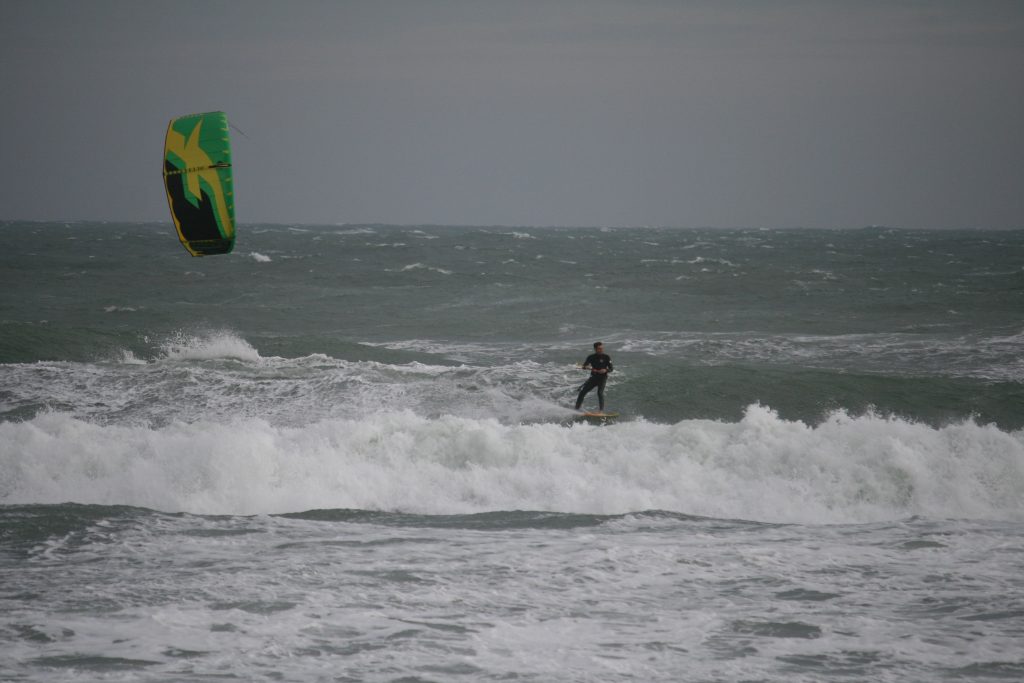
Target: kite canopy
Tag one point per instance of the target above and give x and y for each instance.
(197, 176)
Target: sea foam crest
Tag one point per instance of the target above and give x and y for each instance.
(208, 346)
(845, 470)
(419, 266)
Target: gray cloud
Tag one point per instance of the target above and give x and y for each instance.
(822, 114)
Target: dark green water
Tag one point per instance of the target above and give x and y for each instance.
(927, 325)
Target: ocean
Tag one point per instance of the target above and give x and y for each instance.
(349, 453)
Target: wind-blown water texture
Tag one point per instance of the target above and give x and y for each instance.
(348, 453)
(868, 374)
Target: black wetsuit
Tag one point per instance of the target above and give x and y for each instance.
(596, 361)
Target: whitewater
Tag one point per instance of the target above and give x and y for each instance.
(845, 470)
(348, 453)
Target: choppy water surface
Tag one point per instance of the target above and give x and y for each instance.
(348, 453)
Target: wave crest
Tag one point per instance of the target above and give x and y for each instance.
(845, 470)
(208, 346)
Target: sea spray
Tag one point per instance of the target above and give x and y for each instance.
(208, 345)
(762, 468)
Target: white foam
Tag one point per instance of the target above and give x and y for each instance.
(208, 346)
(128, 357)
(455, 350)
(719, 261)
(356, 231)
(848, 469)
(419, 266)
(259, 258)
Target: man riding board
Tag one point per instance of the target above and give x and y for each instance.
(600, 364)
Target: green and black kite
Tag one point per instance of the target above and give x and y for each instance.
(200, 189)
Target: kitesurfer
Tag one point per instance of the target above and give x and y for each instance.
(600, 364)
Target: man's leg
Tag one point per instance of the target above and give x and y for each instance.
(584, 390)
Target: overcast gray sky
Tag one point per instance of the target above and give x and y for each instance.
(504, 112)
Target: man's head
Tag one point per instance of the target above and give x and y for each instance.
(598, 347)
